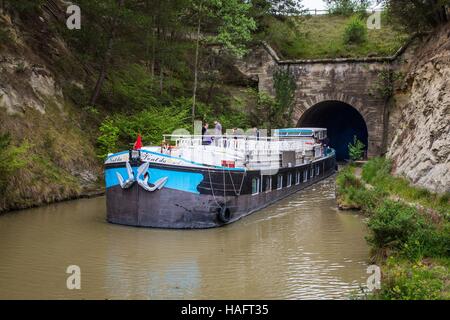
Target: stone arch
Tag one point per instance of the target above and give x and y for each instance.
(344, 119)
(339, 97)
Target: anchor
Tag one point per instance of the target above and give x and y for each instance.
(130, 181)
(143, 171)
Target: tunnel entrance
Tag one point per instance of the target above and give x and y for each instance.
(342, 121)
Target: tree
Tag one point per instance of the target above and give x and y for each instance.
(228, 24)
(418, 15)
(347, 7)
(115, 8)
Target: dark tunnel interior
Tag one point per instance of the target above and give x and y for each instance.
(342, 121)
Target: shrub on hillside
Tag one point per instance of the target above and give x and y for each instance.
(347, 7)
(119, 131)
(376, 167)
(392, 224)
(355, 32)
(407, 281)
(356, 149)
(12, 158)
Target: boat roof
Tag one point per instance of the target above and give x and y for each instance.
(299, 131)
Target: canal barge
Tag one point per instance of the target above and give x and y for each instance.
(205, 182)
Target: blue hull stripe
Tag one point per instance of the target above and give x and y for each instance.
(178, 180)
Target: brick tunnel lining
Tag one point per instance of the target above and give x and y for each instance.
(342, 121)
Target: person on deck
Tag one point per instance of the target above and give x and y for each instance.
(206, 139)
(218, 133)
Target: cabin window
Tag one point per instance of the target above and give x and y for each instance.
(255, 186)
(289, 180)
(279, 182)
(317, 170)
(268, 184)
(297, 178)
(312, 173)
(305, 175)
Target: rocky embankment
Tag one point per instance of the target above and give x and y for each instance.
(420, 119)
(36, 72)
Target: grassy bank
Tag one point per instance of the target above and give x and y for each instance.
(315, 37)
(409, 230)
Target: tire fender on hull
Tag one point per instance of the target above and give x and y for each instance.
(224, 214)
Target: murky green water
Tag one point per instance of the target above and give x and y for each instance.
(300, 248)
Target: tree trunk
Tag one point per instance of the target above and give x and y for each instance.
(106, 60)
(161, 83)
(197, 52)
(153, 51)
(210, 90)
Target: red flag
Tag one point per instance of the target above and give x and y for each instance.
(138, 143)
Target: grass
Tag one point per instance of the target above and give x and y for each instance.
(409, 231)
(316, 37)
(423, 280)
(58, 150)
(377, 173)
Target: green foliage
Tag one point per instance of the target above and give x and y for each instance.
(347, 7)
(235, 29)
(119, 131)
(392, 224)
(346, 178)
(286, 36)
(356, 149)
(321, 36)
(23, 6)
(131, 88)
(353, 194)
(427, 241)
(416, 242)
(417, 16)
(377, 172)
(268, 113)
(399, 226)
(108, 139)
(12, 158)
(413, 281)
(376, 168)
(355, 32)
(285, 87)
(384, 85)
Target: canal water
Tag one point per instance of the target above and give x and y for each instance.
(299, 248)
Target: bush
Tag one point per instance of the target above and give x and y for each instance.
(12, 158)
(347, 7)
(356, 149)
(427, 241)
(346, 179)
(392, 224)
(119, 131)
(406, 281)
(355, 32)
(375, 168)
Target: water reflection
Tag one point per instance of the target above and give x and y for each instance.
(300, 248)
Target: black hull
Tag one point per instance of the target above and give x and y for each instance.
(222, 198)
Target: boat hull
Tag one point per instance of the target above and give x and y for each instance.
(195, 198)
